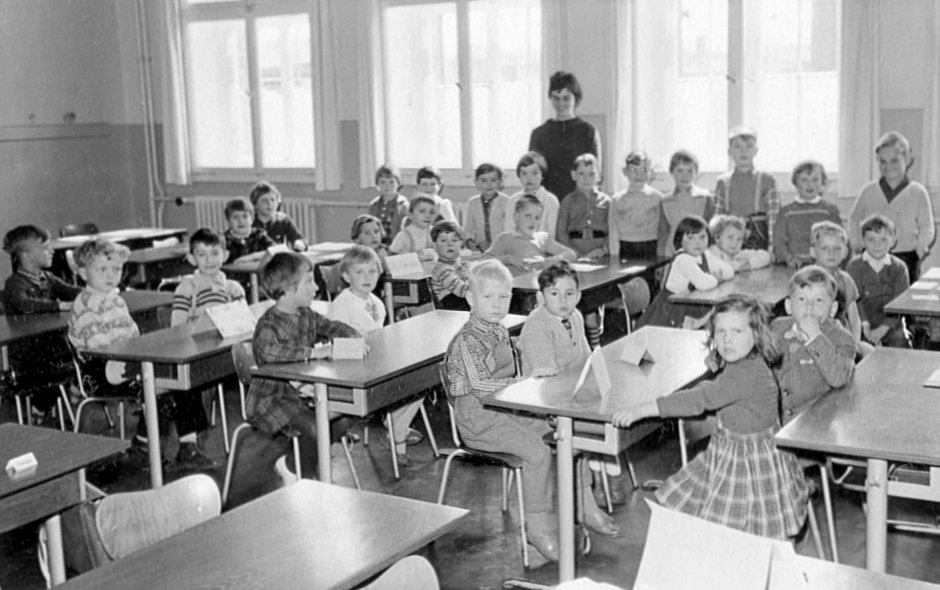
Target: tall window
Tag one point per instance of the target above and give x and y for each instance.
(704, 66)
(462, 81)
(248, 85)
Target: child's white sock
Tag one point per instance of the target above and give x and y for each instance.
(189, 438)
(280, 468)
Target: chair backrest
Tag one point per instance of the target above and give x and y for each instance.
(445, 384)
(243, 359)
(693, 430)
(164, 316)
(332, 280)
(128, 522)
(635, 295)
(77, 229)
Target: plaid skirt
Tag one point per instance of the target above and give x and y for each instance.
(743, 482)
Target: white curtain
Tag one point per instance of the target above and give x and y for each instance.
(859, 125)
(326, 118)
(930, 159)
(371, 91)
(175, 127)
(624, 74)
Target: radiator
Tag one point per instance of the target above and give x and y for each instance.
(210, 212)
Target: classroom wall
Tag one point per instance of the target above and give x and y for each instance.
(80, 56)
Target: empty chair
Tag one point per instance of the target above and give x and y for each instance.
(78, 229)
(635, 296)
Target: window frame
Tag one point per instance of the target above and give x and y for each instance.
(249, 11)
(463, 176)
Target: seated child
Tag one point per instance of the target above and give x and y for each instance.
(634, 213)
(208, 286)
(531, 171)
(880, 277)
(289, 331)
(100, 317)
(527, 249)
(416, 236)
(818, 352)
(727, 232)
(266, 199)
(390, 207)
(480, 362)
(582, 218)
(686, 199)
(553, 340)
(741, 481)
(796, 219)
(367, 230)
(450, 278)
(694, 267)
(430, 185)
(241, 239)
(30, 289)
(486, 212)
(829, 247)
(358, 307)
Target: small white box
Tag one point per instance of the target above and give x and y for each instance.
(22, 465)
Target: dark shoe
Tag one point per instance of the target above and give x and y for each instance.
(189, 457)
(544, 543)
(403, 460)
(599, 522)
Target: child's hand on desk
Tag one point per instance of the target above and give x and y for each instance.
(320, 352)
(626, 417)
(596, 253)
(65, 306)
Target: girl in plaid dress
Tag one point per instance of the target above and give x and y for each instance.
(741, 480)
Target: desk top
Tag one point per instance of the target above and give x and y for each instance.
(592, 277)
(917, 301)
(314, 256)
(308, 535)
(764, 284)
(394, 350)
(120, 235)
(56, 453)
(884, 413)
(15, 327)
(679, 359)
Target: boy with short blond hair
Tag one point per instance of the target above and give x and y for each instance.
(795, 220)
(818, 352)
(479, 362)
(880, 277)
(527, 248)
(208, 286)
(748, 193)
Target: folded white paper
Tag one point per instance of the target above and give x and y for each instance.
(923, 285)
(232, 319)
(349, 348)
(22, 465)
(926, 297)
(404, 265)
(596, 364)
(635, 353)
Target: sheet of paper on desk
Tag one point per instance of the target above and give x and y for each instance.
(403, 265)
(232, 319)
(585, 267)
(923, 285)
(933, 380)
(279, 248)
(349, 348)
(683, 551)
(596, 364)
(925, 297)
(933, 273)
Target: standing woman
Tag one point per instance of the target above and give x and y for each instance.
(564, 138)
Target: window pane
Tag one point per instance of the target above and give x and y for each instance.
(681, 92)
(421, 89)
(792, 89)
(506, 96)
(286, 92)
(217, 76)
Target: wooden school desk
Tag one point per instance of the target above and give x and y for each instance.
(57, 483)
(767, 284)
(173, 359)
(401, 362)
(679, 359)
(921, 298)
(253, 267)
(885, 414)
(307, 535)
(597, 286)
(133, 238)
(14, 328)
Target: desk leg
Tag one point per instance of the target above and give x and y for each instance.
(565, 458)
(4, 358)
(876, 486)
(323, 433)
(254, 287)
(53, 528)
(389, 302)
(153, 429)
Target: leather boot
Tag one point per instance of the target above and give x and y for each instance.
(542, 532)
